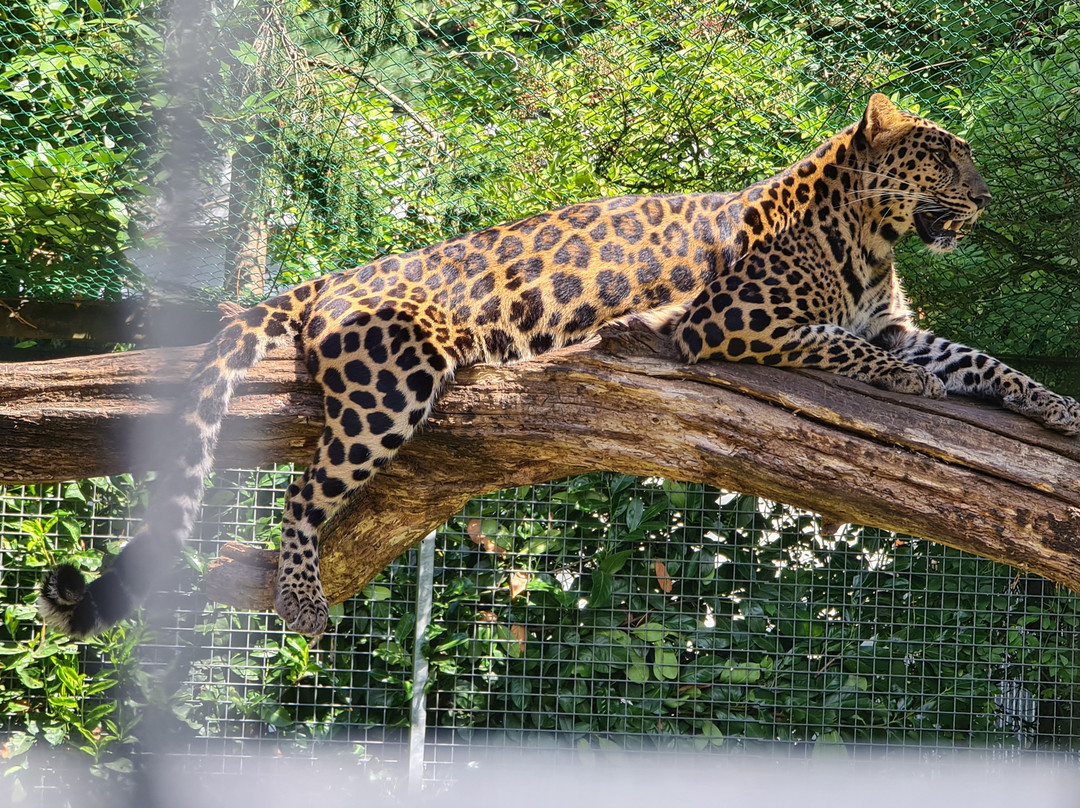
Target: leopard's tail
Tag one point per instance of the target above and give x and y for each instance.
(78, 609)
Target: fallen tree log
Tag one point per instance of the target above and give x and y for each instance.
(957, 472)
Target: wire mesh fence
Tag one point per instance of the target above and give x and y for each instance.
(597, 617)
(229, 149)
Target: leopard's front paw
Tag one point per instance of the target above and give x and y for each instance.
(913, 380)
(1056, 412)
(303, 607)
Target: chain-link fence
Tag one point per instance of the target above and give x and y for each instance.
(229, 149)
(587, 619)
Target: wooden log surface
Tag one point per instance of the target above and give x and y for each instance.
(962, 473)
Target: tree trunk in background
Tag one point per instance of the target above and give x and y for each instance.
(246, 236)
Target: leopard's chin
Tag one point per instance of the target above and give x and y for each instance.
(938, 232)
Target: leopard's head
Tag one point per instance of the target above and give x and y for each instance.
(929, 167)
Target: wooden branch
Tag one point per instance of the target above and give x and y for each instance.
(965, 474)
(132, 320)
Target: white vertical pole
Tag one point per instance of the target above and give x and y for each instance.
(425, 579)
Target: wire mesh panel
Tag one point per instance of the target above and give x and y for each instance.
(596, 617)
(249, 681)
(686, 618)
(227, 691)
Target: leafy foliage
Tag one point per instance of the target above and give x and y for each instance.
(616, 613)
(519, 109)
(78, 92)
(653, 614)
(87, 698)
(1016, 288)
(355, 130)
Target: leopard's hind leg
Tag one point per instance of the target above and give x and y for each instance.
(379, 380)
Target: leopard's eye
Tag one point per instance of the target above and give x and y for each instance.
(944, 159)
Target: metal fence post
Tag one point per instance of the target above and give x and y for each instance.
(418, 711)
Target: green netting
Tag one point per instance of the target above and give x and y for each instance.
(273, 140)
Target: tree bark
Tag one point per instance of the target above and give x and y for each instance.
(957, 472)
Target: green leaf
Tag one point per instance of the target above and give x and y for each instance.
(710, 736)
(829, 746)
(651, 632)
(638, 670)
(275, 715)
(18, 743)
(55, 734)
(614, 562)
(603, 584)
(666, 664)
(29, 677)
(245, 53)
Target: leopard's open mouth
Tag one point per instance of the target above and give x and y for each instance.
(939, 231)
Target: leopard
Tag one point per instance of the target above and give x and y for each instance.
(795, 271)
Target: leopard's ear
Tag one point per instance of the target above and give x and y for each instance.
(883, 124)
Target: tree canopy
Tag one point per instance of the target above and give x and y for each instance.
(325, 134)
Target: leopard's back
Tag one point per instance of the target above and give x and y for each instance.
(520, 289)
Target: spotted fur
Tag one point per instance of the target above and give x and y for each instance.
(794, 271)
